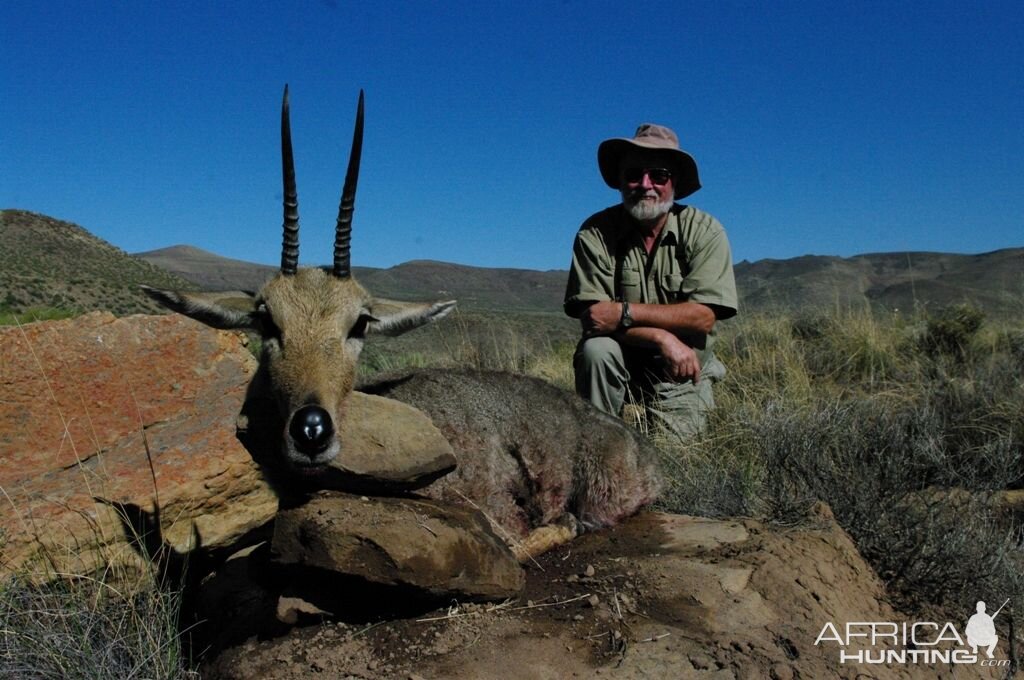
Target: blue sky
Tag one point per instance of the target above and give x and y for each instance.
(831, 128)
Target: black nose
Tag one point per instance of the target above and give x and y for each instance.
(311, 430)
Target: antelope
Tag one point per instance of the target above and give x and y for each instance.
(530, 455)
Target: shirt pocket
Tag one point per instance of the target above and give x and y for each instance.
(631, 285)
(672, 287)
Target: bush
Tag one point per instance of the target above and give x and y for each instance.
(951, 330)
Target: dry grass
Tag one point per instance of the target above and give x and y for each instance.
(115, 622)
(868, 413)
(872, 416)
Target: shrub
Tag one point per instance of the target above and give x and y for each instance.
(950, 331)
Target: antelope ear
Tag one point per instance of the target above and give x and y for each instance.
(391, 318)
(226, 311)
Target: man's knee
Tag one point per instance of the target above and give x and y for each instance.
(599, 354)
(601, 374)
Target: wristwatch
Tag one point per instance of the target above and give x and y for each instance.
(627, 319)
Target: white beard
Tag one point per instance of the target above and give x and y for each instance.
(645, 211)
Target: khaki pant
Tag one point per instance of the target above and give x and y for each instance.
(606, 374)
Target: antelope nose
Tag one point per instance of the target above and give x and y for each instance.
(311, 430)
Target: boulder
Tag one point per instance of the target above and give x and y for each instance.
(98, 414)
(387, 447)
(659, 595)
(425, 548)
(105, 420)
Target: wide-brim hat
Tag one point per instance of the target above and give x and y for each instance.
(656, 138)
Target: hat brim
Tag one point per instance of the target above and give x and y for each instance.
(685, 179)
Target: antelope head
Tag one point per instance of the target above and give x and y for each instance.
(312, 323)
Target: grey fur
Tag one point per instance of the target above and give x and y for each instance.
(527, 451)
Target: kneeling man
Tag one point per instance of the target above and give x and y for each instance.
(649, 279)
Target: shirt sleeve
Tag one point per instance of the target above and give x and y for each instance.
(592, 272)
(710, 279)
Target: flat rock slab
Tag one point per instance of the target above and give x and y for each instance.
(415, 544)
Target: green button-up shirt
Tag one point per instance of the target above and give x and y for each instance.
(691, 262)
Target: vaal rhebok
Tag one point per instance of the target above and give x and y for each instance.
(529, 455)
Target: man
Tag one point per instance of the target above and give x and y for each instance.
(649, 279)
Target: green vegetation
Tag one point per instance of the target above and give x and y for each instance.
(54, 269)
(909, 429)
(9, 317)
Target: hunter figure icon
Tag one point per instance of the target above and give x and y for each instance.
(981, 630)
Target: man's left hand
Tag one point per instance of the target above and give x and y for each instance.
(601, 318)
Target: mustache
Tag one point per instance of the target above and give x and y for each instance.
(640, 193)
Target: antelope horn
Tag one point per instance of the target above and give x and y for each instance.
(290, 245)
(343, 233)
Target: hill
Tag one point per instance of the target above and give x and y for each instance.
(48, 263)
(208, 271)
(476, 288)
(885, 281)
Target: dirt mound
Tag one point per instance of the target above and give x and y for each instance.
(659, 596)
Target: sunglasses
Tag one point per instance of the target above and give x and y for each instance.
(659, 176)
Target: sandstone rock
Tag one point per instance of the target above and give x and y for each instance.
(387, 446)
(82, 401)
(419, 545)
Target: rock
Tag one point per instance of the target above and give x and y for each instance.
(291, 609)
(84, 399)
(421, 546)
(387, 446)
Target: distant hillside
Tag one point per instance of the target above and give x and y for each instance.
(45, 262)
(475, 288)
(209, 271)
(887, 281)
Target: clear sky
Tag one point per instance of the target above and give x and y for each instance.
(831, 128)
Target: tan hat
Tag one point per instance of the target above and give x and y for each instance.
(657, 138)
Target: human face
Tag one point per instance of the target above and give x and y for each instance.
(647, 188)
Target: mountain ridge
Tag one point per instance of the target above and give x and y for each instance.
(891, 281)
(52, 262)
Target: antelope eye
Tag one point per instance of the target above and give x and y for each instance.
(358, 331)
(267, 327)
